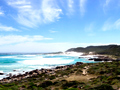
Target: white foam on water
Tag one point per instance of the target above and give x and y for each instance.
(8, 57)
(43, 61)
(29, 55)
(1, 71)
(39, 67)
(2, 76)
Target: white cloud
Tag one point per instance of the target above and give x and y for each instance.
(107, 2)
(90, 29)
(32, 14)
(13, 39)
(117, 24)
(105, 5)
(6, 28)
(52, 31)
(70, 6)
(111, 25)
(50, 11)
(1, 12)
(82, 6)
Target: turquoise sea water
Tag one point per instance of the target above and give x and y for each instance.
(21, 63)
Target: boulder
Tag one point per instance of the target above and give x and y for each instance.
(91, 59)
(79, 63)
(98, 59)
(1, 73)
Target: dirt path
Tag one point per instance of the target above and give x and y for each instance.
(83, 77)
(85, 70)
(80, 78)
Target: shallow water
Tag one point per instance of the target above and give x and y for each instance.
(19, 63)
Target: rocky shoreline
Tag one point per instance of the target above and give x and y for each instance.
(83, 76)
(104, 58)
(36, 72)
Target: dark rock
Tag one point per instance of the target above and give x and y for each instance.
(91, 59)
(118, 59)
(79, 63)
(8, 78)
(58, 67)
(14, 70)
(1, 73)
(10, 74)
(98, 59)
(106, 59)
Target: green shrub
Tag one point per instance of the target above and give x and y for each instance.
(118, 71)
(46, 84)
(79, 72)
(103, 87)
(114, 81)
(40, 88)
(24, 86)
(15, 88)
(57, 83)
(1, 86)
(52, 77)
(72, 89)
(70, 84)
(9, 84)
(32, 85)
(68, 69)
(34, 88)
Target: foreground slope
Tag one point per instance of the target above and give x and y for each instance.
(96, 76)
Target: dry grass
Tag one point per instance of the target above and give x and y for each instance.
(80, 78)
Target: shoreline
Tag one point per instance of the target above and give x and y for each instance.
(22, 71)
(36, 72)
(51, 71)
(77, 76)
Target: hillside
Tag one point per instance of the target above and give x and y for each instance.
(107, 49)
(89, 76)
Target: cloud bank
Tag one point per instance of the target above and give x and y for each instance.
(6, 28)
(15, 39)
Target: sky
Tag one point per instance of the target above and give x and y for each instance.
(57, 25)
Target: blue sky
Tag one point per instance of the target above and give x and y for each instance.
(57, 25)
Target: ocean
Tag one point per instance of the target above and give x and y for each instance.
(21, 63)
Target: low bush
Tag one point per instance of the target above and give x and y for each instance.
(72, 89)
(46, 84)
(52, 77)
(79, 72)
(70, 84)
(9, 84)
(103, 87)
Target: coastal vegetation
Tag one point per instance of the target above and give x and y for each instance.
(83, 76)
(104, 50)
